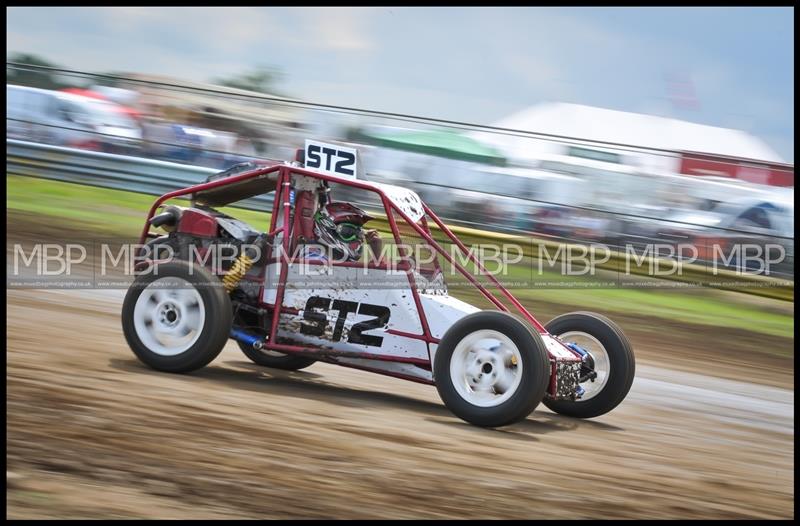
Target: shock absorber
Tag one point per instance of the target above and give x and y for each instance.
(242, 265)
(237, 272)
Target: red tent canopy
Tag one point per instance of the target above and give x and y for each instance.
(130, 112)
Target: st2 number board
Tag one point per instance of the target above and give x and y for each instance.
(331, 159)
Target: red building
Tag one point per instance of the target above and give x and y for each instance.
(753, 170)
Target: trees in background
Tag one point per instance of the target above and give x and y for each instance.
(260, 79)
(37, 78)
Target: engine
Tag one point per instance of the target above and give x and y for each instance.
(223, 244)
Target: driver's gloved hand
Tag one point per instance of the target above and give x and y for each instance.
(373, 239)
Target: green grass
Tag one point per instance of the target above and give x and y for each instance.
(688, 305)
(694, 307)
(108, 211)
(122, 213)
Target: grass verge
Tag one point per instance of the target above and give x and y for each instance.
(122, 213)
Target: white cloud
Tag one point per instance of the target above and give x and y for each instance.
(546, 78)
(212, 30)
(552, 52)
(465, 64)
(336, 29)
(431, 103)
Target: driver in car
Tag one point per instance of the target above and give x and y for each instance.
(339, 228)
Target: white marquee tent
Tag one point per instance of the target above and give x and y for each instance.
(611, 126)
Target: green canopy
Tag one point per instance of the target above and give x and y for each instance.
(435, 142)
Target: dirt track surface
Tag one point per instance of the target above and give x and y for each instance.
(92, 433)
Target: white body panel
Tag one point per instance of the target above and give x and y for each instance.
(375, 288)
(372, 287)
(329, 301)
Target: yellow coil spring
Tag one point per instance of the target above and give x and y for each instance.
(237, 272)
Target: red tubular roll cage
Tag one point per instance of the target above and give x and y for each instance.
(282, 201)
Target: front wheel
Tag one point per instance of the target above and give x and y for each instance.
(491, 369)
(612, 357)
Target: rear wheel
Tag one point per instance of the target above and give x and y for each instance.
(491, 369)
(274, 359)
(612, 357)
(178, 319)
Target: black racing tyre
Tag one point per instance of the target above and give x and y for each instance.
(610, 350)
(178, 319)
(274, 359)
(491, 369)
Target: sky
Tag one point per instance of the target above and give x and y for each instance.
(729, 67)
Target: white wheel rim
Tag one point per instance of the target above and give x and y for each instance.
(169, 316)
(486, 368)
(602, 364)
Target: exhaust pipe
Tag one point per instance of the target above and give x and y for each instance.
(256, 342)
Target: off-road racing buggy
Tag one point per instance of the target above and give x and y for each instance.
(390, 315)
